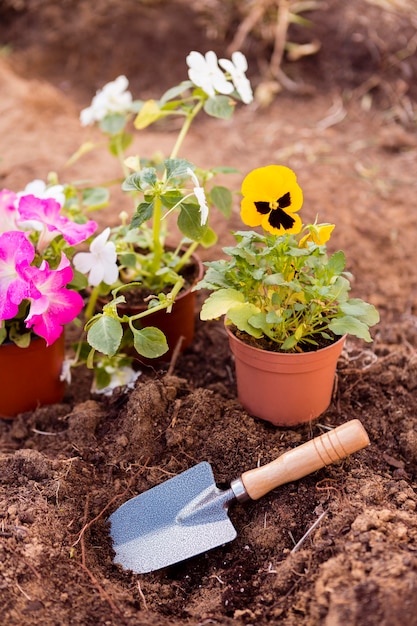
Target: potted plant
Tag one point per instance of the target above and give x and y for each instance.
(144, 265)
(286, 302)
(38, 236)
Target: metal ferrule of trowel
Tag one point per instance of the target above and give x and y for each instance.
(205, 507)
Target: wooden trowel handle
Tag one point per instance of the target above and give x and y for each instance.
(305, 459)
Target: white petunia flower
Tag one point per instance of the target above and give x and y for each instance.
(100, 263)
(119, 377)
(112, 98)
(39, 189)
(237, 69)
(201, 197)
(205, 73)
(65, 374)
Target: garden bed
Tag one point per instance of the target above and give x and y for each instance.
(65, 468)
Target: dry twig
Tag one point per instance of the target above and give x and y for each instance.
(174, 357)
(142, 596)
(308, 533)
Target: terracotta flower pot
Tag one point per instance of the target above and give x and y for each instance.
(30, 376)
(284, 388)
(180, 322)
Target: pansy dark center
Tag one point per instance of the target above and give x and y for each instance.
(277, 217)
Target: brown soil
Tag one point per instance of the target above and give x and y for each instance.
(64, 469)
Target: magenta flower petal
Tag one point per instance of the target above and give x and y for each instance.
(47, 212)
(8, 211)
(76, 233)
(52, 305)
(16, 252)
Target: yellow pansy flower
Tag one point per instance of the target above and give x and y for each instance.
(318, 234)
(271, 199)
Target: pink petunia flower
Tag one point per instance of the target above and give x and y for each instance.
(16, 252)
(51, 304)
(43, 214)
(8, 211)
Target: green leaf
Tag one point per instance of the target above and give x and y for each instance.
(241, 316)
(79, 281)
(289, 343)
(84, 349)
(189, 221)
(176, 91)
(299, 332)
(274, 279)
(120, 142)
(348, 325)
(363, 311)
(273, 318)
(105, 335)
(222, 199)
(3, 334)
(209, 238)
(102, 378)
(219, 106)
(140, 181)
(136, 106)
(150, 342)
(90, 359)
(21, 340)
(128, 259)
(171, 198)
(337, 262)
(219, 302)
(144, 212)
(340, 289)
(95, 197)
(149, 113)
(225, 169)
(176, 168)
(113, 124)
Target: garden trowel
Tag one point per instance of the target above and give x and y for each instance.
(187, 514)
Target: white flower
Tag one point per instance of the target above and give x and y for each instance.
(65, 374)
(119, 377)
(39, 189)
(237, 68)
(201, 197)
(205, 73)
(100, 263)
(113, 98)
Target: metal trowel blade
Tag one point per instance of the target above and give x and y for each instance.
(178, 519)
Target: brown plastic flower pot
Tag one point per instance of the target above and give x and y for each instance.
(176, 325)
(285, 389)
(30, 377)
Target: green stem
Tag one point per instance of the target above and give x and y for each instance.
(187, 255)
(185, 128)
(92, 303)
(121, 155)
(156, 233)
(159, 307)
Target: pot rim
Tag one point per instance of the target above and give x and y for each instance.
(286, 355)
